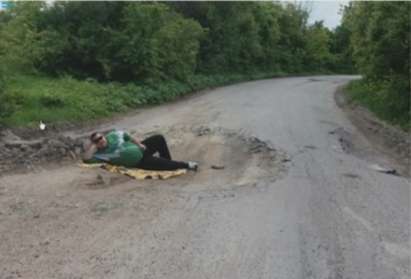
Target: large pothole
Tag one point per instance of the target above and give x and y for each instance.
(227, 158)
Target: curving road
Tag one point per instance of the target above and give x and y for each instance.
(329, 216)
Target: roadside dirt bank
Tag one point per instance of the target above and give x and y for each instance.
(387, 139)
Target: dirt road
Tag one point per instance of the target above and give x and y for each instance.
(297, 197)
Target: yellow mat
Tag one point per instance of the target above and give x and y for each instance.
(137, 173)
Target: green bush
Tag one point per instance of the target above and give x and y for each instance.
(381, 47)
(385, 98)
(157, 43)
(6, 105)
(9, 103)
(34, 98)
(146, 41)
(51, 100)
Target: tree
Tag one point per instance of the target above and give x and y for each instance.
(380, 43)
(341, 50)
(156, 42)
(77, 34)
(291, 52)
(267, 17)
(380, 50)
(19, 34)
(318, 55)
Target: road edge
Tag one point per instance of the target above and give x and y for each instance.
(388, 139)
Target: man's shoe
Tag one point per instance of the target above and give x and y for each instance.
(192, 165)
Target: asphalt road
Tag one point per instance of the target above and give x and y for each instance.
(328, 216)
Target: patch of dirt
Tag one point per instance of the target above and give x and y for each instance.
(216, 149)
(225, 156)
(23, 155)
(389, 140)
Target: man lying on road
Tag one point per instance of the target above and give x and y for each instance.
(119, 148)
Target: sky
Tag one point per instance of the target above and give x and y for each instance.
(328, 11)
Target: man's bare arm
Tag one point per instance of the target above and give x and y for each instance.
(89, 151)
(136, 141)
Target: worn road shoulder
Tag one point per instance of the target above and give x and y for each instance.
(387, 139)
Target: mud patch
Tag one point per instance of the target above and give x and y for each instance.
(226, 158)
(20, 154)
(345, 139)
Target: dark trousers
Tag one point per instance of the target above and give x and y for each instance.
(158, 144)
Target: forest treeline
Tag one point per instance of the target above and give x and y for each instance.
(379, 35)
(125, 54)
(128, 41)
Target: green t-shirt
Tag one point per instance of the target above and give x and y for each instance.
(120, 150)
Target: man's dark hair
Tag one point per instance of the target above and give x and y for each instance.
(93, 135)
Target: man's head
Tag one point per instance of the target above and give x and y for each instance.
(99, 140)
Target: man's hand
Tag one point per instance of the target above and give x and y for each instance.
(137, 142)
(89, 151)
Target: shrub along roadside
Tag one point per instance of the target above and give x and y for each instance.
(33, 98)
(381, 55)
(385, 99)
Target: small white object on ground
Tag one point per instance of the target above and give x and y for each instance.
(382, 169)
(192, 165)
(42, 125)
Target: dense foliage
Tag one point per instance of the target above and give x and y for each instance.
(380, 44)
(129, 41)
(154, 44)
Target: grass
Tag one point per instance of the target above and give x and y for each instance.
(35, 98)
(389, 100)
(29, 99)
